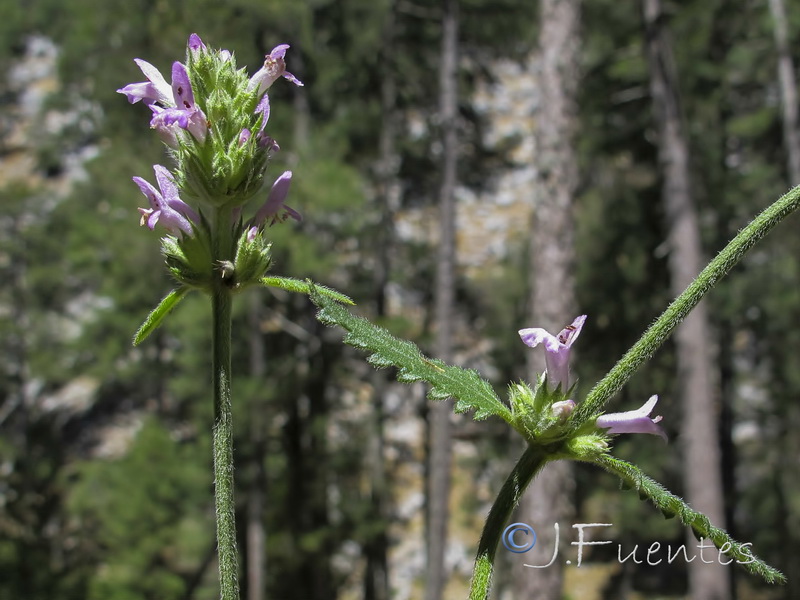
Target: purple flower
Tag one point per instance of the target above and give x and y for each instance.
(274, 67)
(274, 208)
(155, 89)
(186, 114)
(262, 139)
(263, 110)
(557, 349)
(633, 421)
(166, 207)
(172, 106)
(195, 43)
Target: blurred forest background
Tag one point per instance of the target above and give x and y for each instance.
(105, 463)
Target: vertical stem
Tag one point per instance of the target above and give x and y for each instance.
(221, 302)
(529, 464)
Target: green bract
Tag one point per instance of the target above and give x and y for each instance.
(228, 168)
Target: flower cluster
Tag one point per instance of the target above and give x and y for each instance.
(213, 118)
(557, 354)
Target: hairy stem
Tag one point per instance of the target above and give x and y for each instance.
(221, 302)
(659, 331)
(529, 464)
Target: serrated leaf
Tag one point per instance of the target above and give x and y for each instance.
(304, 287)
(158, 314)
(465, 385)
(406, 377)
(670, 504)
(379, 362)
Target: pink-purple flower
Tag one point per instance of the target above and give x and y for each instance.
(274, 67)
(166, 206)
(173, 106)
(557, 350)
(274, 208)
(195, 43)
(633, 421)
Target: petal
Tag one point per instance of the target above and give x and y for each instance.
(293, 213)
(197, 124)
(265, 141)
(633, 421)
(140, 91)
(166, 182)
(647, 407)
(169, 190)
(571, 332)
(182, 87)
(195, 43)
(151, 193)
(163, 122)
(536, 335)
(279, 51)
(153, 219)
(162, 88)
(292, 78)
(263, 109)
(277, 195)
(274, 204)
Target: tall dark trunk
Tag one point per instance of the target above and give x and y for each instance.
(255, 532)
(791, 142)
(387, 196)
(552, 256)
(439, 415)
(699, 387)
(788, 83)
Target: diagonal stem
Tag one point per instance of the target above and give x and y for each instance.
(659, 331)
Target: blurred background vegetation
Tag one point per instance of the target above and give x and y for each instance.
(105, 478)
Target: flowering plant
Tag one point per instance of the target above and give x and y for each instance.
(554, 425)
(213, 119)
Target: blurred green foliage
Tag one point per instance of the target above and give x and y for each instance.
(80, 277)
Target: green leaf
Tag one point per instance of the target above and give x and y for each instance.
(465, 385)
(154, 319)
(671, 505)
(304, 287)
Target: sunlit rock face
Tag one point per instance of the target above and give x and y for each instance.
(43, 150)
(32, 130)
(493, 224)
(492, 219)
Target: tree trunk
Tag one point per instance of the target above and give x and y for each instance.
(439, 415)
(552, 253)
(387, 197)
(699, 387)
(255, 533)
(791, 133)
